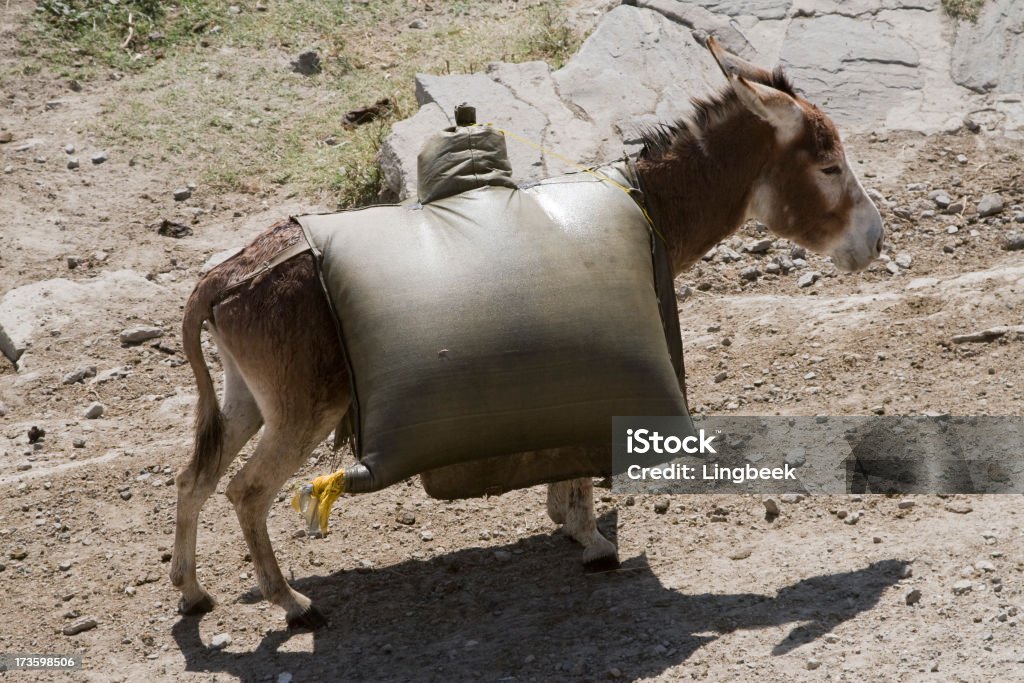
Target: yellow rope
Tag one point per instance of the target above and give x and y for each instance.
(592, 171)
(315, 500)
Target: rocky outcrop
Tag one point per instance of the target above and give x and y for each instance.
(871, 64)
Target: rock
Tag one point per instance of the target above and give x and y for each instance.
(721, 377)
(905, 504)
(73, 163)
(904, 260)
(139, 334)
(405, 517)
(418, 24)
(912, 597)
(987, 54)
(1014, 241)
(750, 273)
(962, 587)
(760, 246)
(892, 268)
(771, 507)
(220, 641)
(961, 158)
(941, 199)
(989, 335)
(182, 193)
(5, 137)
(284, 677)
(93, 410)
(37, 309)
(661, 506)
(796, 457)
(69, 148)
(3, 409)
(970, 124)
(80, 626)
(990, 205)
(78, 442)
(79, 374)
(813, 664)
(985, 566)
(126, 494)
(808, 279)
(740, 553)
(98, 158)
(427, 535)
(308, 63)
(35, 434)
(791, 497)
(875, 69)
(502, 555)
(19, 553)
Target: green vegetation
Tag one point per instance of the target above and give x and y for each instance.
(210, 90)
(963, 9)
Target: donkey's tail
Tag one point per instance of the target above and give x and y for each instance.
(209, 425)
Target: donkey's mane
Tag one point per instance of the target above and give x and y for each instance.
(659, 139)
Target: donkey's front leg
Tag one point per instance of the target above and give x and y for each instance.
(571, 503)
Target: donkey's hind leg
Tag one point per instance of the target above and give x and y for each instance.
(283, 447)
(241, 420)
(571, 503)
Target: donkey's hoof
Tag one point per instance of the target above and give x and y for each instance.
(310, 620)
(605, 563)
(201, 606)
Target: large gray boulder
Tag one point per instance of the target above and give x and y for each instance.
(871, 64)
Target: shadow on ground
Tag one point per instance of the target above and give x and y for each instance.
(536, 616)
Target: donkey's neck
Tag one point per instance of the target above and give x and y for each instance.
(698, 189)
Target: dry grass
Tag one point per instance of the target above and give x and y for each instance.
(213, 92)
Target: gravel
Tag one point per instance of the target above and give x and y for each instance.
(98, 158)
(808, 279)
(990, 205)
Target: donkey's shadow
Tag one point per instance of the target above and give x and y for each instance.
(531, 616)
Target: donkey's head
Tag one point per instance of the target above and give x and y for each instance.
(806, 191)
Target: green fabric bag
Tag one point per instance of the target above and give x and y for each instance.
(486, 322)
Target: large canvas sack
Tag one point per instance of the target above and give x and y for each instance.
(497, 320)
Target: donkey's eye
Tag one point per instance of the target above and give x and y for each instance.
(831, 170)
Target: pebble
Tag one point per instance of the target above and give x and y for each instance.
(405, 517)
(126, 495)
(791, 497)
(940, 198)
(615, 672)
(220, 641)
(962, 587)
(958, 507)
(64, 566)
(1014, 241)
(905, 504)
(990, 205)
(721, 377)
(750, 273)
(80, 626)
(961, 158)
(139, 334)
(892, 268)
(93, 411)
(98, 158)
(985, 566)
(808, 279)
(813, 664)
(912, 597)
(417, 24)
(771, 507)
(73, 163)
(427, 535)
(284, 677)
(3, 409)
(308, 63)
(5, 137)
(80, 374)
(181, 194)
(69, 149)
(502, 555)
(19, 554)
(760, 246)
(661, 507)
(796, 457)
(78, 442)
(904, 260)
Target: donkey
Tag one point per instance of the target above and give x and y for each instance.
(755, 150)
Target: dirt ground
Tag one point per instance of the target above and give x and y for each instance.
(497, 593)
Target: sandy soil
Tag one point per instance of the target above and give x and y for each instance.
(498, 593)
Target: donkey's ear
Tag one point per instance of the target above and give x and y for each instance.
(771, 105)
(732, 66)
